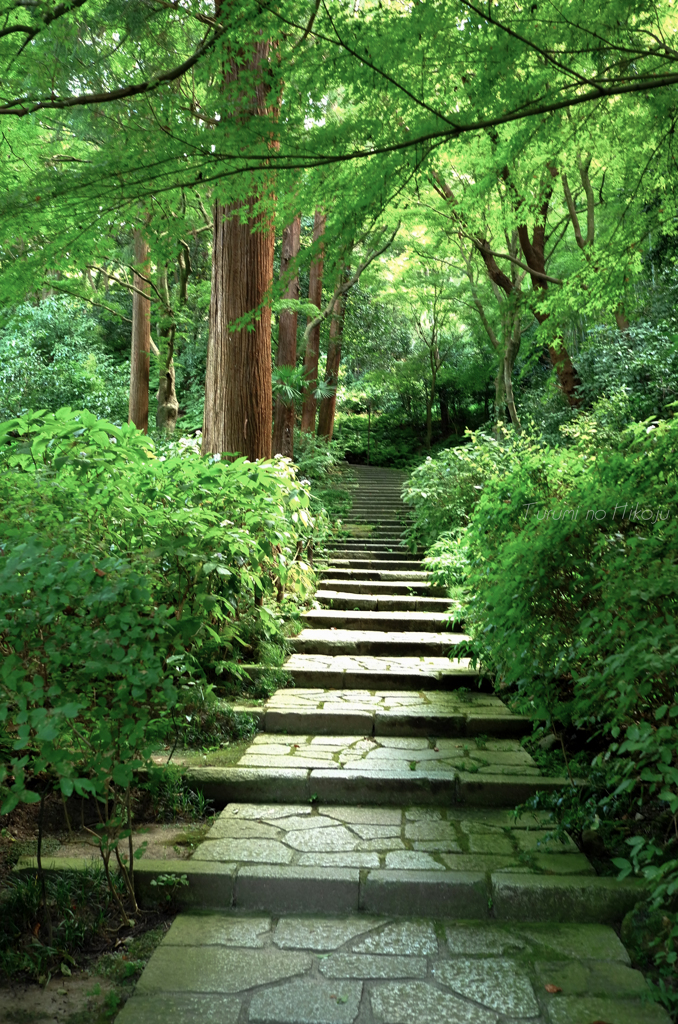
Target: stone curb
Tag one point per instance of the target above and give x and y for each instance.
(283, 889)
(388, 788)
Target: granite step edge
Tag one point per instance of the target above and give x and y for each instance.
(499, 896)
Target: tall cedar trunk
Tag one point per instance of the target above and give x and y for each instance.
(238, 401)
(168, 405)
(141, 338)
(283, 426)
(315, 295)
(328, 405)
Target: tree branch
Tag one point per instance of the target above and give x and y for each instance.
(572, 210)
(130, 287)
(32, 31)
(341, 289)
(483, 248)
(93, 302)
(25, 105)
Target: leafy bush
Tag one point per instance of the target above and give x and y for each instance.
(51, 355)
(444, 490)
(574, 574)
(123, 582)
(447, 559)
(385, 442)
(642, 363)
(316, 457)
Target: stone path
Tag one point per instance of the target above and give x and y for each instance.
(367, 867)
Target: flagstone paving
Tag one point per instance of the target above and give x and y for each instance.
(365, 969)
(368, 867)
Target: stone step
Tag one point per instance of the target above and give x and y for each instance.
(383, 587)
(279, 966)
(370, 548)
(362, 527)
(385, 498)
(375, 515)
(405, 713)
(370, 536)
(449, 839)
(375, 602)
(369, 672)
(374, 525)
(397, 575)
(366, 495)
(380, 504)
(323, 618)
(374, 552)
(406, 565)
(378, 642)
(253, 782)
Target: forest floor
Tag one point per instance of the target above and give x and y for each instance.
(103, 973)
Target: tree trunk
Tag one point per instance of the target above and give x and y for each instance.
(168, 404)
(434, 355)
(499, 397)
(328, 405)
(534, 253)
(621, 318)
(444, 417)
(238, 400)
(283, 429)
(429, 420)
(141, 338)
(315, 294)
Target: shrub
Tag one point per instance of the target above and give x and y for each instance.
(447, 559)
(574, 574)
(51, 355)
(123, 582)
(444, 490)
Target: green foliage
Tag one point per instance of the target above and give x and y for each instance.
(385, 441)
(321, 463)
(51, 355)
(316, 457)
(123, 580)
(78, 906)
(573, 570)
(641, 363)
(447, 559)
(444, 490)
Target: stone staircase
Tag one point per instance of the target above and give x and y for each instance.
(367, 867)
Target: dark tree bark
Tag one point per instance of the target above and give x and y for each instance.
(328, 405)
(535, 259)
(444, 417)
(283, 428)
(315, 294)
(238, 400)
(141, 338)
(534, 253)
